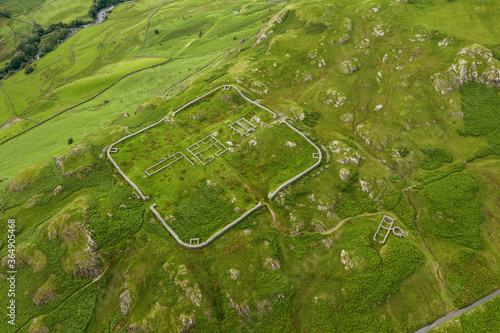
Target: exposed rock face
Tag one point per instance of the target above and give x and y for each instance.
(80, 172)
(46, 293)
(227, 98)
(344, 174)
(57, 190)
(38, 327)
(343, 40)
(364, 186)
(473, 63)
(344, 154)
(125, 302)
(348, 67)
(243, 310)
(192, 292)
(188, 322)
(234, 273)
(378, 31)
(26, 177)
(82, 258)
(327, 242)
(86, 260)
(272, 264)
(88, 263)
(349, 260)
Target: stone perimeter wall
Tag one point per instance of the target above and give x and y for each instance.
(232, 224)
(212, 238)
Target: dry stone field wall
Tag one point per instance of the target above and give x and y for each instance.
(317, 155)
(211, 141)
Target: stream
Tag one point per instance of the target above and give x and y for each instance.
(100, 17)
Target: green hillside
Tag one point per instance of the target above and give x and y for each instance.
(401, 99)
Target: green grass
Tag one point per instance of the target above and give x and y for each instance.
(481, 118)
(126, 96)
(6, 112)
(450, 213)
(365, 290)
(484, 319)
(243, 175)
(479, 16)
(59, 11)
(179, 34)
(454, 211)
(437, 156)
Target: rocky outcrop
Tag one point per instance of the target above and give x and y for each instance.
(348, 67)
(242, 309)
(84, 262)
(125, 302)
(188, 321)
(83, 169)
(272, 264)
(473, 63)
(70, 224)
(344, 174)
(37, 326)
(46, 293)
(26, 177)
(234, 273)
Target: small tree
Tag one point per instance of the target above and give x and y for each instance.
(28, 69)
(200, 34)
(70, 141)
(4, 12)
(157, 31)
(17, 60)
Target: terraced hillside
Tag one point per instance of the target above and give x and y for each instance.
(402, 98)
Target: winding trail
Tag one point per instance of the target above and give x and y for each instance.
(29, 119)
(459, 312)
(329, 231)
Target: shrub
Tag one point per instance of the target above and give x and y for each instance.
(480, 106)
(157, 31)
(289, 21)
(437, 156)
(350, 143)
(454, 211)
(4, 12)
(403, 151)
(17, 60)
(311, 118)
(28, 69)
(364, 291)
(70, 141)
(315, 28)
